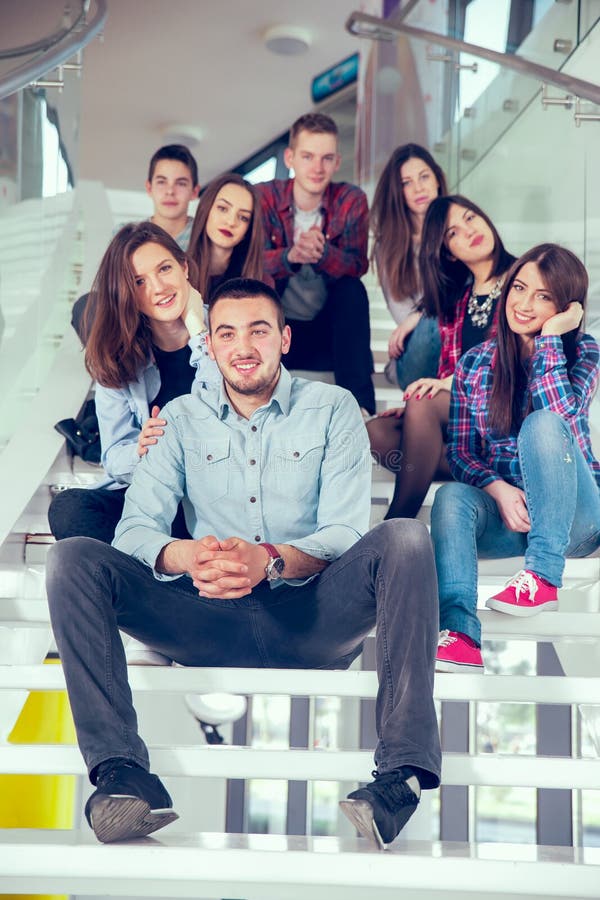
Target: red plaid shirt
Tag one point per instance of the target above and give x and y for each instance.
(345, 225)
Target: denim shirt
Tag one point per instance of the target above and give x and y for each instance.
(122, 412)
(297, 472)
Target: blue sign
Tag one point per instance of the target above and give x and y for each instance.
(334, 79)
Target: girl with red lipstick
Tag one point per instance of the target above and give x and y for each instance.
(519, 446)
(462, 263)
(409, 182)
(227, 236)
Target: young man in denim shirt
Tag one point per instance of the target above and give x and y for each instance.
(274, 472)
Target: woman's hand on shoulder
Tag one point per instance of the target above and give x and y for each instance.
(427, 387)
(152, 429)
(567, 320)
(193, 314)
(511, 504)
(400, 333)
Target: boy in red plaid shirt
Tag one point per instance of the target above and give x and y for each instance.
(316, 252)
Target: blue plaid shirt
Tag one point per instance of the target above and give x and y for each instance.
(475, 454)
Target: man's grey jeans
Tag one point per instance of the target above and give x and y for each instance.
(387, 580)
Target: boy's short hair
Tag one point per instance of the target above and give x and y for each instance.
(247, 289)
(316, 123)
(175, 151)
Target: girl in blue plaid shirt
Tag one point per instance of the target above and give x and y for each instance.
(519, 446)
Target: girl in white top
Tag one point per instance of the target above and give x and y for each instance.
(409, 182)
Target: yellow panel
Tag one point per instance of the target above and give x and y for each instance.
(40, 801)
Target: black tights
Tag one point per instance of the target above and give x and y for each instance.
(413, 447)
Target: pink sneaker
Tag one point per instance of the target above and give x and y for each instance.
(525, 595)
(457, 653)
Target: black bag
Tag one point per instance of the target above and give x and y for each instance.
(82, 433)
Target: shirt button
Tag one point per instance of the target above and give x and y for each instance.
(252, 499)
(257, 538)
(251, 462)
(209, 457)
(253, 428)
(296, 454)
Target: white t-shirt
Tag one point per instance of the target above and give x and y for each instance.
(306, 291)
(400, 307)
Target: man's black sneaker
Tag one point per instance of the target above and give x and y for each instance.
(380, 810)
(128, 802)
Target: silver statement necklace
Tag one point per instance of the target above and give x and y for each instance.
(480, 312)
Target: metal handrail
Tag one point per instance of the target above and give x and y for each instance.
(383, 29)
(50, 40)
(30, 71)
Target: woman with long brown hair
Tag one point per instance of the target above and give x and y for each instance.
(519, 446)
(146, 343)
(463, 263)
(227, 234)
(407, 185)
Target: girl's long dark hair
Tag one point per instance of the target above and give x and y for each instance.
(247, 256)
(392, 225)
(118, 336)
(565, 277)
(444, 277)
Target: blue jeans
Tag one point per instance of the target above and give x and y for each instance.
(421, 357)
(563, 502)
(386, 579)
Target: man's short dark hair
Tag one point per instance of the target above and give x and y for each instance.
(247, 289)
(316, 123)
(179, 152)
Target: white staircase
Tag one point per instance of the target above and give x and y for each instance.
(182, 862)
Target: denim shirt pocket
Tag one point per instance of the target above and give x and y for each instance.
(294, 466)
(207, 469)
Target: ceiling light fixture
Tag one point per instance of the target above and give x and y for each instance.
(179, 133)
(287, 40)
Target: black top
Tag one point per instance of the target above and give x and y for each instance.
(476, 334)
(176, 374)
(233, 270)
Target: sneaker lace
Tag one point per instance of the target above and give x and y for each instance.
(391, 788)
(445, 638)
(524, 582)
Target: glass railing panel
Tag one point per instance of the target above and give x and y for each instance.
(31, 30)
(487, 97)
(589, 15)
(40, 253)
(544, 31)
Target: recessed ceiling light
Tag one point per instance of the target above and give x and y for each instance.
(287, 40)
(180, 133)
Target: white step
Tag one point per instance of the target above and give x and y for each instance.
(554, 626)
(273, 867)
(313, 765)
(317, 683)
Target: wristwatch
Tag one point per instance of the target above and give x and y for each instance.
(276, 564)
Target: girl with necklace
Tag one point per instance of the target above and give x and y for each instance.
(462, 263)
(519, 446)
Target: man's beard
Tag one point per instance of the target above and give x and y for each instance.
(248, 388)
